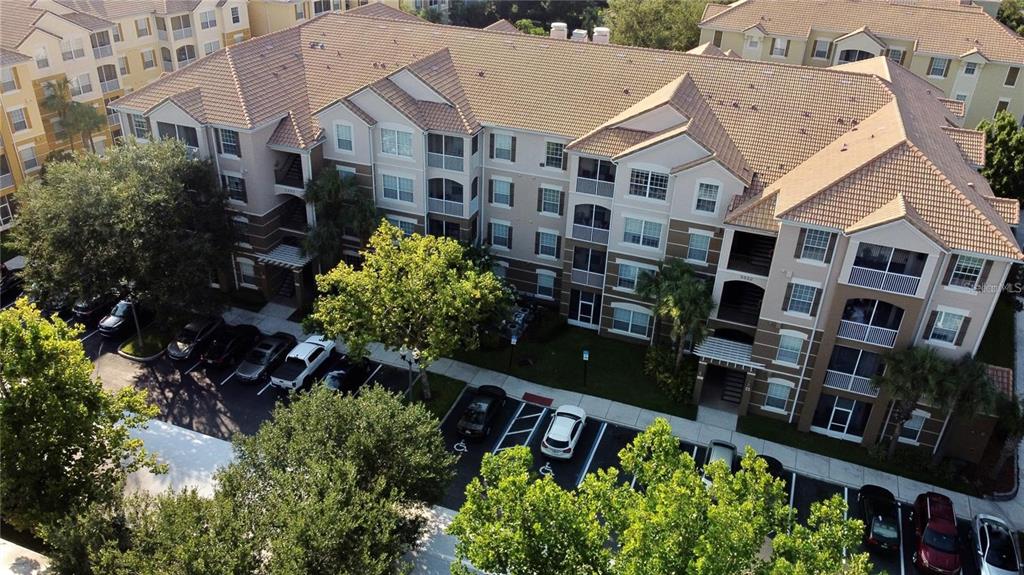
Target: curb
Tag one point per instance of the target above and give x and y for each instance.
(1011, 494)
(139, 359)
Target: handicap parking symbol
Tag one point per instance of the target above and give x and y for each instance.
(460, 447)
(547, 471)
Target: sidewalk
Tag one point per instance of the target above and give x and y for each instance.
(711, 424)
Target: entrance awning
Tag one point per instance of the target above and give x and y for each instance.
(285, 256)
(727, 352)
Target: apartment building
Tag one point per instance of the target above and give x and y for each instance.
(269, 16)
(837, 213)
(105, 50)
(956, 45)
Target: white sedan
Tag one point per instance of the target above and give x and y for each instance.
(564, 432)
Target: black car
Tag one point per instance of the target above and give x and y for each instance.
(231, 343)
(881, 522)
(88, 310)
(347, 376)
(118, 320)
(479, 415)
(193, 337)
(265, 357)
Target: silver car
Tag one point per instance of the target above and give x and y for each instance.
(995, 545)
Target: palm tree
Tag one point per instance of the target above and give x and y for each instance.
(84, 119)
(683, 298)
(58, 101)
(1011, 423)
(340, 205)
(966, 392)
(910, 374)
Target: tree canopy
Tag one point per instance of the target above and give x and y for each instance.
(666, 24)
(145, 219)
(65, 439)
(681, 297)
(1004, 155)
(516, 523)
(1011, 13)
(341, 207)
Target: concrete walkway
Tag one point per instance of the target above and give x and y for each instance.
(711, 424)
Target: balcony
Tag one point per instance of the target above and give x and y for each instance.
(110, 85)
(589, 234)
(288, 177)
(751, 253)
(740, 303)
(293, 216)
(182, 33)
(595, 187)
(882, 336)
(850, 382)
(453, 163)
(583, 277)
(161, 34)
(446, 207)
(104, 51)
(885, 281)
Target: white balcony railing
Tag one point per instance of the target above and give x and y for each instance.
(161, 34)
(867, 333)
(110, 85)
(884, 281)
(474, 205)
(589, 234)
(6, 181)
(850, 382)
(447, 207)
(453, 163)
(586, 278)
(595, 187)
(113, 120)
(103, 51)
(182, 33)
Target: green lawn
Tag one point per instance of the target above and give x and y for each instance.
(444, 391)
(154, 339)
(997, 345)
(615, 370)
(908, 462)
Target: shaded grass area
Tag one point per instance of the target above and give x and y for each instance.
(154, 339)
(614, 371)
(444, 391)
(997, 347)
(908, 461)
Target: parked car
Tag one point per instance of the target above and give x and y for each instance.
(347, 375)
(193, 337)
(720, 451)
(118, 320)
(231, 343)
(563, 432)
(265, 357)
(996, 546)
(49, 303)
(938, 550)
(88, 310)
(302, 361)
(10, 285)
(479, 415)
(881, 520)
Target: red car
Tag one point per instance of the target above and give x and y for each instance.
(938, 550)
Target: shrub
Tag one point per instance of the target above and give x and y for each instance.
(547, 325)
(659, 364)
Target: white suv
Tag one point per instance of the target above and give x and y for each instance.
(302, 361)
(564, 432)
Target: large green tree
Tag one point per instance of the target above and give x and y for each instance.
(84, 120)
(681, 297)
(145, 220)
(910, 375)
(415, 293)
(342, 207)
(1010, 423)
(966, 392)
(1004, 155)
(65, 440)
(1011, 13)
(668, 522)
(666, 24)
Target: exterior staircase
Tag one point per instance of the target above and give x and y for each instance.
(732, 385)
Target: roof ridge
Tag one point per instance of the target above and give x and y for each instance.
(728, 9)
(295, 128)
(237, 85)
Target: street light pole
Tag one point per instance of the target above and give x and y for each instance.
(586, 360)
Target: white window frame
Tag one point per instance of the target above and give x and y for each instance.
(548, 274)
(35, 158)
(245, 221)
(9, 76)
(504, 246)
(779, 43)
(891, 51)
(753, 42)
(42, 57)
(550, 234)
(707, 236)
(819, 235)
(641, 184)
(697, 199)
(396, 135)
(544, 189)
(236, 15)
(140, 29)
(502, 266)
(400, 223)
(961, 97)
(970, 68)
(75, 84)
(211, 47)
(791, 335)
(151, 63)
(75, 47)
(931, 67)
(633, 311)
(1001, 101)
(240, 277)
(134, 124)
(208, 19)
(122, 65)
(227, 187)
(817, 43)
(498, 137)
(968, 264)
(24, 118)
(399, 192)
(507, 193)
(338, 140)
(792, 295)
(640, 269)
(918, 415)
(548, 156)
(224, 146)
(775, 383)
(643, 234)
(1016, 78)
(947, 316)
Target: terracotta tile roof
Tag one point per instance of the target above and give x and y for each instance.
(608, 142)
(87, 21)
(928, 24)
(1002, 379)
(17, 18)
(287, 134)
(970, 142)
(504, 26)
(116, 9)
(955, 107)
(712, 9)
(384, 12)
(1008, 208)
(707, 49)
(10, 57)
(438, 71)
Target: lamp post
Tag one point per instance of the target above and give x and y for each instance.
(409, 356)
(586, 360)
(512, 350)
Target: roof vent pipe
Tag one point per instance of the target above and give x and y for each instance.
(559, 30)
(602, 35)
(579, 35)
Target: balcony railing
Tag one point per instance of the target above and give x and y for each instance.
(867, 333)
(110, 85)
(583, 277)
(185, 62)
(474, 205)
(182, 33)
(435, 160)
(103, 51)
(447, 207)
(113, 120)
(884, 281)
(850, 382)
(589, 234)
(595, 187)
(161, 34)
(6, 181)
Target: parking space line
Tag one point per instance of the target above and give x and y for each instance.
(90, 334)
(265, 387)
(899, 530)
(846, 509)
(535, 426)
(694, 453)
(189, 370)
(228, 378)
(508, 427)
(792, 496)
(593, 450)
(379, 365)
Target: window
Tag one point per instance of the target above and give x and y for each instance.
(789, 349)
(545, 285)
(57, 128)
(547, 244)
(343, 137)
(107, 74)
(967, 271)
(549, 200)
(595, 177)
(408, 227)
(780, 47)
(81, 84)
(475, 143)
(142, 27)
(235, 187)
(236, 16)
(815, 245)
(148, 59)
(970, 68)
(211, 47)
(139, 126)
(246, 272)
(122, 65)
(717, 40)
(628, 274)
(503, 147)
(778, 394)
(698, 248)
(946, 326)
(960, 97)
(895, 55)
(227, 143)
(1002, 105)
(186, 54)
(647, 184)
(801, 298)
(42, 58)
(207, 19)
(181, 26)
(445, 152)
(396, 142)
(299, 12)
(444, 189)
(707, 198)
(28, 158)
(753, 42)
(441, 228)
(185, 134)
(72, 49)
(554, 155)
(912, 427)
(938, 67)
(631, 321)
(642, 232)
(10, 81)
(18, 119)
(501, 193)
(500, 269)
(822, 49)
(501, 235)
(397, 188)
(117, 33)
(1011, 76)
(6, 213)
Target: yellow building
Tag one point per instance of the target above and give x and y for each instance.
(268, 16)
(104, 50)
